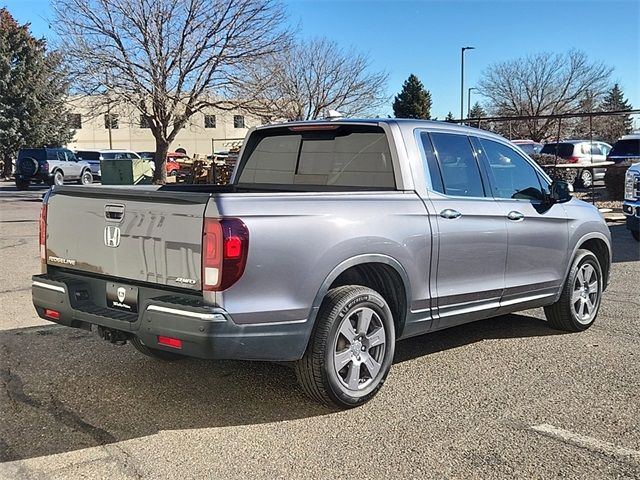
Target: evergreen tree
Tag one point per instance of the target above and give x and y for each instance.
(449, 118)
(413, 101)
(476, 112)
(611, 128)
(32, 92)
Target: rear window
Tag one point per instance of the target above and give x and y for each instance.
(37, 153)
(562, 149)
(84, 155)
(347, 156)
(626, 148)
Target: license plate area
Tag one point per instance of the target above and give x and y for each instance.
(122, 297)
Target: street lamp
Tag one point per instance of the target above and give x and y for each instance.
(462, 50)
(469, 100)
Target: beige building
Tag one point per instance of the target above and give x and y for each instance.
(209, 131)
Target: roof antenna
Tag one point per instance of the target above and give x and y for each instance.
(333, 115)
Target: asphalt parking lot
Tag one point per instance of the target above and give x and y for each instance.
(502, 398)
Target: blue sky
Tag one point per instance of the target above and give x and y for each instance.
(424, 37)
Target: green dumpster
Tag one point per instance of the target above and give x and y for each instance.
(126, 172)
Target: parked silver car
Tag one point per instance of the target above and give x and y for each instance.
(581, 152)
(334, 239)
(52, 166)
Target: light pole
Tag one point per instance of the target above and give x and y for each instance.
(469, 100)
(462, 50)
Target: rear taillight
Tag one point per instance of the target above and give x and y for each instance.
(225, 245)
(573, 159)
(43, 235)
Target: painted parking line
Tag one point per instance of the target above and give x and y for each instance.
(588, 443)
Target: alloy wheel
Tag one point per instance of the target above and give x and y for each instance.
(359, 348)
(586, 294)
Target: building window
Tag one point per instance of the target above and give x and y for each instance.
(209, 121)
(144, 122)
(111, 120)
(238, 121)
(74, 120)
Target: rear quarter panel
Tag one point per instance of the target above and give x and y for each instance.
(297, 240)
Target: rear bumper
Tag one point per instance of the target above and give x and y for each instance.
(30, 178)
(205, 331)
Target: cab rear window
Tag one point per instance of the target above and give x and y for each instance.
(341, 156)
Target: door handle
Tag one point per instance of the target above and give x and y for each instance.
(449, 213)
(515, 216)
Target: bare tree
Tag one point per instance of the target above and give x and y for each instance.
(309, 78)
(167, 58)
(542, 84)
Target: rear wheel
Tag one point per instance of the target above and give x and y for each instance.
(586, 179)
(154, 352)
(578, 305)
(351, 349)
(22, 184)
(58, 178)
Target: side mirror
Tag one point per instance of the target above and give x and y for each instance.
(560, 191)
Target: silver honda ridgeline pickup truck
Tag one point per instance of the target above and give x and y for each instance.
(333, 240)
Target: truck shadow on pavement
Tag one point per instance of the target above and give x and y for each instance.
(65, 389)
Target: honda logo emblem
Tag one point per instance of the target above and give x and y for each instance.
(111, 236)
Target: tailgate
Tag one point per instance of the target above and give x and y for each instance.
(140, 234)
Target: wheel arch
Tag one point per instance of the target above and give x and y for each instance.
(376, 271)
(600, 246)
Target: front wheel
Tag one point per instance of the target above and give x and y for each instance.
(578, 305)
(173, 173)
(86, 178)
(351, 349)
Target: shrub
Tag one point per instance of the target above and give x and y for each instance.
(614, 180)
(548, 162)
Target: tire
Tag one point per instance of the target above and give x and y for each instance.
(58, 178)
(586, 179)
(338, 337)
(636, 235)
(173, 173)
(22, 184)
(86, 178)
(577, 307)
(28, 167)
(154, 352)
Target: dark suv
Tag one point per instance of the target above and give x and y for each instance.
(52, 166)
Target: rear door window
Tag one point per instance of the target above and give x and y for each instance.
(459, 168)
(559, 149)
(344, 156)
